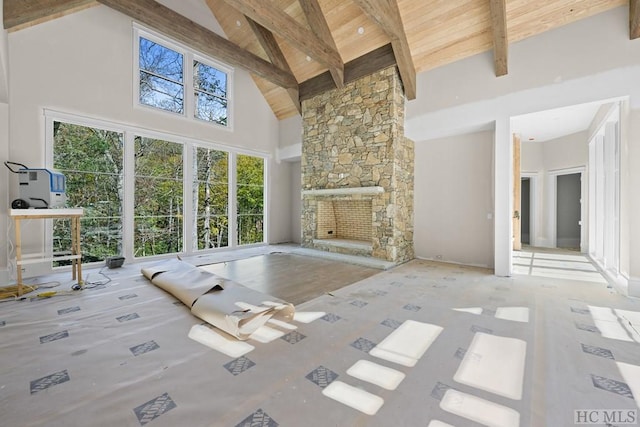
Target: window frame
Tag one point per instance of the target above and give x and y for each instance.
(264, 200)
(219, 67)
(139, 70)
(230, 170)
(189, 56)
(132, 182)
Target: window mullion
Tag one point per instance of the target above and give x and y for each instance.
(233, 200)
(163, 77)
(128, 234)
(189, 101)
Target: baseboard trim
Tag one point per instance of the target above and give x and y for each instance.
(618, 281)
(634, 287)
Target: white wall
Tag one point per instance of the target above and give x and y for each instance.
(83, 64)
(4, 84)
(566, 152)
(290, 149)
(532, 156)
(4, 193)
(4, 150)
(290, 146)
(280, 199)
(453, 198)
(296, 202)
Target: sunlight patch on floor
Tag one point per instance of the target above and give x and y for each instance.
(556, 266)
(495, 364)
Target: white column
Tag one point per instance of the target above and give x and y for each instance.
(503, 203)
(128, 226)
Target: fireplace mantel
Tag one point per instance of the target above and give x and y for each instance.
(344, 191)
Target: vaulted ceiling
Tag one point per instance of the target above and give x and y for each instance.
(297, 48)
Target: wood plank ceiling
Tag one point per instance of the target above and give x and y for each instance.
(296, 48)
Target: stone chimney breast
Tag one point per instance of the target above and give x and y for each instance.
(357, 170)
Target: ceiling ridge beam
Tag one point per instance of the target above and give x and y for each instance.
(498, 10)
(271, 47)
(184, 30)
(19, 14)
(386, 14)
(319, 26)
(634, 19)
(280, 23)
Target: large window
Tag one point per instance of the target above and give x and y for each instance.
(210, 198)
(149, 194)
(158, 226)
(250, 195)
(174, 79)
(92, 161)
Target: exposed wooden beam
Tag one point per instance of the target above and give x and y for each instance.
(271, 47)
(499, 30)
(319, 26)
(386, 14)
(634, 19)
(174, 25)
(369, 63)
(18, 14)
(278, 22)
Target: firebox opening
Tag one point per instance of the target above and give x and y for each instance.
(348, 220)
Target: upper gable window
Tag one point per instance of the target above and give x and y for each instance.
(161, 76)
(210, 91)
(173, 78)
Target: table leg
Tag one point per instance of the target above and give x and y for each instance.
(78, 251)
(74, 262)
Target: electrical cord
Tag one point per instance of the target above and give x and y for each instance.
(48, 285)
(89, 285)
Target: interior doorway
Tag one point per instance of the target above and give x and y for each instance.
(529, 204)
(525, 211)
(568, 211)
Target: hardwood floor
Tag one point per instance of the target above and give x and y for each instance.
(293, 278)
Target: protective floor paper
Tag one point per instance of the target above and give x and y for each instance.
(123, 355)
(479, 410)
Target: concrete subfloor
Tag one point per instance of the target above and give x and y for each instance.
(423, 343)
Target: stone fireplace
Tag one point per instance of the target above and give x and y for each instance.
(357, 170)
